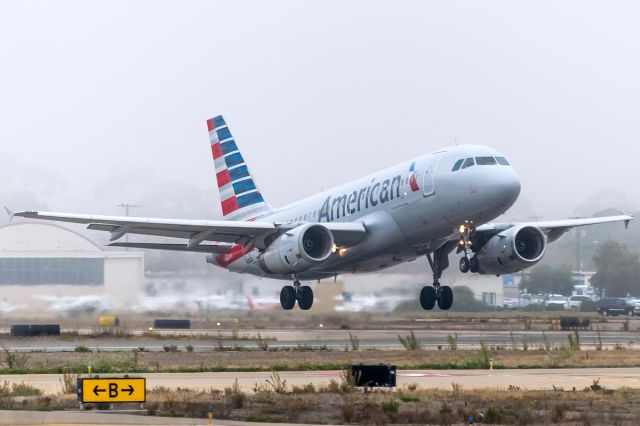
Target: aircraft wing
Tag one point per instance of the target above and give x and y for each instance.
(554, 228)
(196, 231)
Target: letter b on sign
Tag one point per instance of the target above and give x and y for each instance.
(113, 390)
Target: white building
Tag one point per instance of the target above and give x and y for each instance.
(39, 261)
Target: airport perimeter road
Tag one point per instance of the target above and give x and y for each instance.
(333, 339)
(470, 379)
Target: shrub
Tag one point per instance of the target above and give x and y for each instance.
(82, 349)
(408, 397)
(355, 342)
(69, 383)
(263, 344)
(113, 363)
(453, 341)
(14, 359)
(277, 384)
(389, 406)
(236, 396)
(410, 342)
(25, 389)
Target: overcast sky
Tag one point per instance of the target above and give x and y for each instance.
(102, 102)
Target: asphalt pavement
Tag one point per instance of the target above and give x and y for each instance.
(332, 339)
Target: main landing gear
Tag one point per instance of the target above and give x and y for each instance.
(290, 294)
(443, 295)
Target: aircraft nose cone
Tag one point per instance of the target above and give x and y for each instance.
(509, 188)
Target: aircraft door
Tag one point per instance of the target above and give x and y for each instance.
(429, 187)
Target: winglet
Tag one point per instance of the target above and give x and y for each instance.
(10, 212)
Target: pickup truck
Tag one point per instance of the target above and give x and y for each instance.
(614, 306)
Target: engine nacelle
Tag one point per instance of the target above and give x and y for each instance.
(512, 250)
(297, 250)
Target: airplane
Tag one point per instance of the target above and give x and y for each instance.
(263, 304)
(428, 206)
(76, 305)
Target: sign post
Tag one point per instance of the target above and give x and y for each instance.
(111, 390)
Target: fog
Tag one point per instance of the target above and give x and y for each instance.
(106, 102)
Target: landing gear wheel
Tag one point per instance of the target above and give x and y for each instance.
(474, 265)
(464, 264)
(305, 297)
(428, 298)
(287, 297)
(445, 301)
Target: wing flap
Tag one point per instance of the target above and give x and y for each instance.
(203, 248)
(345, 234)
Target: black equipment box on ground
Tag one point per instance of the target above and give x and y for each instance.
(30, 330)
(172, 323)
(374, 375)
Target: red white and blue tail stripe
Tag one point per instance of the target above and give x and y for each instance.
(240, 197)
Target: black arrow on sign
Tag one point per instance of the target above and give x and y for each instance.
(97, 390)
(129, 389)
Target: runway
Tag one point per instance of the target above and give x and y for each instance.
(205, 340)
(534, 379)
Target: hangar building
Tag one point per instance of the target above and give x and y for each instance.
(39, 259)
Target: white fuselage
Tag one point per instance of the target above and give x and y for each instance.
(408, 210)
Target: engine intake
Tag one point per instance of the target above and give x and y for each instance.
(297, 250)
(512, 250)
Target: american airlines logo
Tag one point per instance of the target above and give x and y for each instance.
(370, 196)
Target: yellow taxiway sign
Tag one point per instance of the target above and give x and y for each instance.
(112, 389)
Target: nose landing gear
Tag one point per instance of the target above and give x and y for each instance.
(468, 263)
(290, 294)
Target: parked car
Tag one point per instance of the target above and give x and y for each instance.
(636, 305)
(576, 301)
(615, 306)
(532, 299)
(511, 303)
(556, 302)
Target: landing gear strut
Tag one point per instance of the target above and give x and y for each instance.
(467, 263)
(290, 294)
(430, 295)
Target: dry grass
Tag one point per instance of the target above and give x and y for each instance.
(332, 404)
(414, 406)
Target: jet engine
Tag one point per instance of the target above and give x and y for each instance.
(512, 250)
(297, 250)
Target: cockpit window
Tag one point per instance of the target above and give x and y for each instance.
(502, 161)
(485, 161)
(468, 163)
(457, 165)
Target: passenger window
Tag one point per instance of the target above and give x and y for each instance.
(485, 161)
(468, 163)
(503, 161)
(457, 165)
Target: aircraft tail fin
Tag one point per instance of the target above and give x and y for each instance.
(240, 197)
(250, 302)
